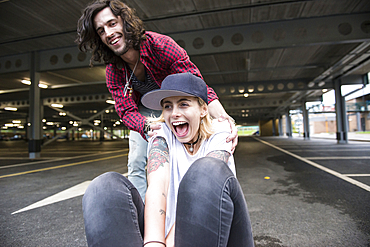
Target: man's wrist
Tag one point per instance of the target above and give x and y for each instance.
(146, 127)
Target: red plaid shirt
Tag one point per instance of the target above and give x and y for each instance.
(161, 56)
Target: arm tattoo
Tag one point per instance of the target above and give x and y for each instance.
(220, 154)
(162, 212)
(158, 154)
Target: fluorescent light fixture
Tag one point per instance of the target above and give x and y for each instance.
(10, 109)
(57, 105)
(109, 101)
(16, 121)
(9, 125)
(64, 128)
(43, 85)
(27, 82)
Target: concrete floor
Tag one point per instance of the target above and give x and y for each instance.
(299, 192)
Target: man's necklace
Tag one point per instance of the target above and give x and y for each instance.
(191, 149)
(127, 86)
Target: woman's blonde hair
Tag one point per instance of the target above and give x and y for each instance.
(205, 126)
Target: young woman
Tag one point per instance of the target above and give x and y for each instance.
(193, 197)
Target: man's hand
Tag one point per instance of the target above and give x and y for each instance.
(234, 131)
(153, 128)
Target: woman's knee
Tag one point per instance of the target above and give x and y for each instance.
(206, 174)
(209, 167)
(103, 184)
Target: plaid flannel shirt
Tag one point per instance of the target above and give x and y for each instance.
(161, 56)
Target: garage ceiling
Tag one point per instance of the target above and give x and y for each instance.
(278, 52)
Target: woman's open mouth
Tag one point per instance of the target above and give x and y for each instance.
(181, 128)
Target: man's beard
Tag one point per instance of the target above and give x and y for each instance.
(124, 50)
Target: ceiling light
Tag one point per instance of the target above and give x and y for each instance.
(57, 105)
(246, 95)
(10, 109)
(43, 85)
(27, 82)
(109, 101)
(16, 121)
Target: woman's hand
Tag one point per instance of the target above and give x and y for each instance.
(234, 131)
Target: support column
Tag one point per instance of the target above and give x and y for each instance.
(358, 121)
(341, 114)
(34, 143)
(280, 126)
(274, 127)
(288, 124)
(102, 127)
(306, 121)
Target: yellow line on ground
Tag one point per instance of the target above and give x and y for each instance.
(61, 166)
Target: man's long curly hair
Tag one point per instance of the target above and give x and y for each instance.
(89, 40)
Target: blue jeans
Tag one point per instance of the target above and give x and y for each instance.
(137, 156)
(211, 210)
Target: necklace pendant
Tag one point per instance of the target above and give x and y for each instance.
(191, 149)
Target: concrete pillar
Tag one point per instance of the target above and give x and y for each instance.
(102, 127)
(358, 121)
(274, 127)
(34, 143)
(341, 113)
(288, 124)
(306, 121)
(280, 126)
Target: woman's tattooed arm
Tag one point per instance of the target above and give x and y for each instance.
(158, 154)
(220, 154)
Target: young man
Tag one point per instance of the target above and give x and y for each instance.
(137, 62)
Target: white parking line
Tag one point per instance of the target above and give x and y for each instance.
(337, 174)
(339, 158)
(77, 190)
(357, 175)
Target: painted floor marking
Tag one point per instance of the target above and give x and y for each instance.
(328, 150)
(61, 166)
(337, 174)
(59, 159)
(339, 158)
(75, 191)
(356, 175)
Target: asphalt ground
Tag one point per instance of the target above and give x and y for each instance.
(299, 192)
